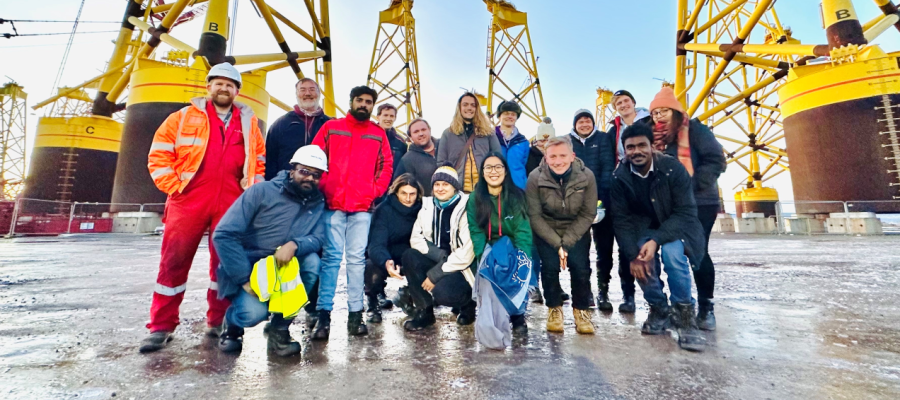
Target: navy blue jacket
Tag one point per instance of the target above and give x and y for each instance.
(598, 153)
(286, 135)
(398, 148)
(673, 203)
(708, 160)
(266, 216)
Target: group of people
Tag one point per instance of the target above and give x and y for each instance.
(466, 219)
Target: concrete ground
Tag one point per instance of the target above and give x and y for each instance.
(799, 317)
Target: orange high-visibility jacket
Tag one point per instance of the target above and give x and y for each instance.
(180, 144)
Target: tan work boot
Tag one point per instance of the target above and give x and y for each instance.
(555, 320)
(583, 322)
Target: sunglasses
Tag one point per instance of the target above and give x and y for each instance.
(306, 172)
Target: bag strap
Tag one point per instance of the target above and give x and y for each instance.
(462, 155)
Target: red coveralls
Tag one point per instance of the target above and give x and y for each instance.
(189, 214)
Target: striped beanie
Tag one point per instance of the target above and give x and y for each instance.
(447, 174)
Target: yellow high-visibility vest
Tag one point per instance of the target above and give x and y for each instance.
(280, 286)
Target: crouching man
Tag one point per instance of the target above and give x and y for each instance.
(655, 211)
(438, 266)
(281, 217)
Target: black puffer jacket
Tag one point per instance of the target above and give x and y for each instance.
(287, 134)
(673, 200)
(390, 230)
(598, 152)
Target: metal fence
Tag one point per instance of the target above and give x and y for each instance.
(821, 217)
(47, 217)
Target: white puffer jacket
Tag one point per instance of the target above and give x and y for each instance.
(463, 253)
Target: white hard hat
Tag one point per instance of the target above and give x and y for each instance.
(224, 70)
(311, 156)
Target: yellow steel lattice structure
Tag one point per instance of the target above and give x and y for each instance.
(509, 50)
(395, 50)
(12, 140)
(604, 111)
(732, 91)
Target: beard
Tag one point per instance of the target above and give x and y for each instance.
(223, 99)
(361, 114)
(308, 104)
(304, 189)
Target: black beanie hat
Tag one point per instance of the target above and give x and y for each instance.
(583, 113)
(361, 90)
(509, 106)
(623, 92)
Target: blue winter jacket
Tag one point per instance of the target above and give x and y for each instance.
(516, 153)
(266, 216)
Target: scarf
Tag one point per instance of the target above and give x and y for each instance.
(662, 137)
(444, 204)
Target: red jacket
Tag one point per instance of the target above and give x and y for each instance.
(360, 163)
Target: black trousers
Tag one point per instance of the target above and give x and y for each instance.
(705, 276)
(375, 278)
(452, 290)
(603, 241)
(579, 268)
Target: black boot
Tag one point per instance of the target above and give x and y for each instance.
(565, 296)
(323, 326)
(282, 344)
(384, 302)
(232, 339)
(466, 314)
(374, 310)
(657, 321)
(156, 341)
(603, 303)
(535, 295)
(519, 328)
(404, 301)
(627, 306)
(689, 336)
(311, 315)
(422, 320)
(706, 319)
(355, 325)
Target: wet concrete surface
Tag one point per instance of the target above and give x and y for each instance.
(798, 317)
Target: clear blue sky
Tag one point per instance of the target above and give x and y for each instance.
(581, 45)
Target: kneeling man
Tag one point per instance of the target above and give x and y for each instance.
(281, 217)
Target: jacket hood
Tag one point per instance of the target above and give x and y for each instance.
(282, 182)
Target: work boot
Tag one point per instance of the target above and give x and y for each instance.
(323, 325)
(519, 328)
(706, 319)
(555, 320)
(232, 339)
(535, 295)
(603, 303)
(156, 341)
(404, 301)
(355, 324)
(657, 321)
(282, 344)
(422, 320)
(583, 322)
(374, 310)
(311, 316)
(384, 302)
(466, 314)
(689, 336)
(565, 296)
(627, 306)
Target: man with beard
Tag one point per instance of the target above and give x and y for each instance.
(420, 160)
(281, 217)
(360, 165)
(295, 129)
(203, 156)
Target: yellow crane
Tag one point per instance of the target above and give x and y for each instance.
(395, 50)
(12, 140)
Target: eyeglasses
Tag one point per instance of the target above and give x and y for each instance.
(494, 168)
(661, 112)
(306, 172)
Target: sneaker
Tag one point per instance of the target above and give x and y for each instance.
(156, 341)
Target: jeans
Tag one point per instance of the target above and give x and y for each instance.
(578, 266)
(603, 240)
(705, 276)
(535, 264)
(346, 235)
(677, 273)
(246, 310)
(453, 290)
